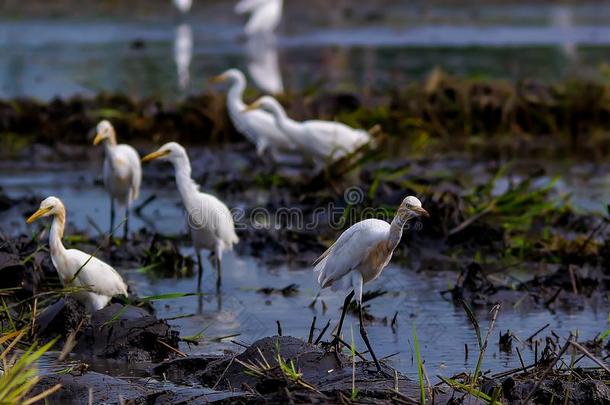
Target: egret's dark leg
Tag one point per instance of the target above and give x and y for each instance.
(126, 225)
(348, 299)
(200, 272)
(366, 339)
(218, 273)
(111, 216)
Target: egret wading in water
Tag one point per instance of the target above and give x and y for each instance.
(323, 141)
(122, 172)
(78, 268)
(360, 255)
(265, 15)
(209, 219)
(257, 126)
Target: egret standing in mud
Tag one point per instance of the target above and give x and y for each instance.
(360, 255)
(78, 268)
(265, 15)
(122, 172)
(323, 141)
(209, 219)
(257, 126)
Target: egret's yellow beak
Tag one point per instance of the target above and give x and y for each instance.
(422, 212)
(38, 214)
(155, 155)
(252, 106)
(218, 79)
(98, 138)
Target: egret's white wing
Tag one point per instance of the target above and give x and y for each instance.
(133, 159)
(350, 250)
(212, 216)
(97, 275)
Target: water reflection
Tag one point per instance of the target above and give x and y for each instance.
(183, 53)
(263, 64)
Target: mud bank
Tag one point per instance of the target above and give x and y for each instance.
(442, 112)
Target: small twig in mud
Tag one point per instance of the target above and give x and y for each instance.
(589, 355)
(529, 339)
(70, 343)
(393, 324)
(239, 343)
(223, 373)
(521, 360)
(322, 333)
(178, 352)
(311, 330)
(279, 328)
(553, 298)
(548, 370)
(571, 270)
(344, 343)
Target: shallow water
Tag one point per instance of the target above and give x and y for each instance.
(442, 328)
(152, 51)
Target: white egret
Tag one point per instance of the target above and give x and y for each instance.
(122, 172)
(257, 126)
(263, 63)
(78, 268)
(184, 6)
(265, 15)
(183, 53)
(209, 219)
(360, 255)
(323, 141)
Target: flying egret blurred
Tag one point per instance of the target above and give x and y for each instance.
(209, 219)
(122, 172)
(263, 64)
(257, 126)
(78, 268)
(184, 6)
(323, 141)
(360, 255)
(265, 15)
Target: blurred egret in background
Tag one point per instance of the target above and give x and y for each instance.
(183, 53)
(77, 268)
(360, 255)
(257, 126)
(184, 6)
(122, 172)
(265, 15)
(323, 141)
(209, 219)
(263, 64)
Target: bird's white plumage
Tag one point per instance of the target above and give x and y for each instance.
(184, 6)
(257, 126)
(210, 221)
(265, 15)
(361, 253)
(77, 268)
(323, 141)
(122, 171)
(350, 251)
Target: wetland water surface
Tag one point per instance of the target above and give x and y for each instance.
(243, 310)
(152, 52)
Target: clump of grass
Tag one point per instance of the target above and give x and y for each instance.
(20, 374)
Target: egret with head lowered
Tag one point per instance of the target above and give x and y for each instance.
(323, 141)
(258, 127)
(210, 221)
(360, 255)
(122, 172)
(99, 281)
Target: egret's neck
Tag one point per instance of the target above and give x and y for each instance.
(236, 93)
(186, 186)
(289, 126)
(110, 150)
(397, 225)
(56, 233)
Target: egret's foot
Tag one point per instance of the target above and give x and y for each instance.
(335, 347)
